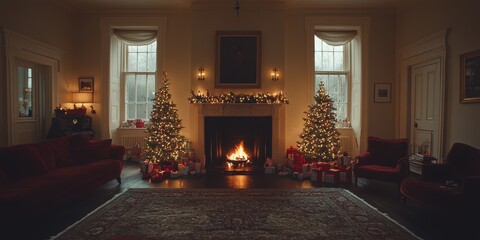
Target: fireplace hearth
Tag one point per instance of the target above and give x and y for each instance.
(224, 135)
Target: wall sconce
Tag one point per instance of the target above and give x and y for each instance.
(201, 73)
(275, 75)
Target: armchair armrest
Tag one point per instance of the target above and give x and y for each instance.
(435, 172)
(363, 159)
(117, 152)
(471, 186)
(403, 167)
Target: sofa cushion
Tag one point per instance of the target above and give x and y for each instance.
(463, 160)
(431, 194)
(22, 161)
(61, 150)
(387, 151)
(379, 172)
(46, 153)
(92, 151)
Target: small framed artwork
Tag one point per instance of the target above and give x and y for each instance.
(383, 93)
(85, 84)
(470, 77)
(238, 58)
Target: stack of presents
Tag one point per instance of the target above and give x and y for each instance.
(156, 172)
(321, 172)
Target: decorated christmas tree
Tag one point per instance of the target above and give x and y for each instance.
(164, 142)
(319, 139)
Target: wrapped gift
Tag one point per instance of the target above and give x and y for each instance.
(291, 151)
(306, 168)
(269, 170)
(198, 167)
(144, 168)
(192, 172)
(313, 176)
(332, 176)
(307, 175)
(295, 175)
(345, 174)
(174, 174)
(156, 177)
(300, 176)
(139, 123)
(279, 166)
(283, 173)
(183, 169)
(166, 173)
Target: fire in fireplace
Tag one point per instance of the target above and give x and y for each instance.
(238, 158)
(224, 135)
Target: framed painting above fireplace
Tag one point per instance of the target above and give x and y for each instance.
(238, 58)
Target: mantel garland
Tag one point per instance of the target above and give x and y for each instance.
(199, 98)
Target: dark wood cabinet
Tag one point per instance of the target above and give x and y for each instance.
(66, 125)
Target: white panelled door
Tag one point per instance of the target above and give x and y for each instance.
(26, 114)
(425, 120)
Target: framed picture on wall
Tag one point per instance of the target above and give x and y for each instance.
(237, 59)
(383, 93)
(470, 77)
(85, 84)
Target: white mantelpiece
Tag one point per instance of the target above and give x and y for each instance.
(276, 111)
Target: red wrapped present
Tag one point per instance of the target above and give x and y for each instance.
(166, 173)
(139, 123)
(156, 177)
(291, 151)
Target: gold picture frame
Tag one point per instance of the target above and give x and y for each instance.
(85, 84)
(470, 77)
(238, 59)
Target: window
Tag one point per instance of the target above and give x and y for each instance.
(138, 79)
(332, 68)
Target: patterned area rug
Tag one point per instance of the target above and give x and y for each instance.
(321, 213)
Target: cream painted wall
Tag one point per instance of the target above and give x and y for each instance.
(381, 67)
(47, 23)
(461, 19)
(190, 43)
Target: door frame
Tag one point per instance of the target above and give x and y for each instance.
(18, 46)
(430, 48)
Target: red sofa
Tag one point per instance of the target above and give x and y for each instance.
(37, 178)
(385, 160)
(453, 185)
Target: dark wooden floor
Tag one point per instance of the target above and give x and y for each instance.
(383, 196)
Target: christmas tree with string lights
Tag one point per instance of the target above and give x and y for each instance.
(319, 138)
(164, 142)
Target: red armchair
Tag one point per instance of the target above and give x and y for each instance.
(452, 185)
(385, 160)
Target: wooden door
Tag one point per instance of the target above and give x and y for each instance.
(425, 125)
(27, 110)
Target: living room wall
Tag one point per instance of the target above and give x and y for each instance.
(461, 19)
(47, 23)
(190, 43)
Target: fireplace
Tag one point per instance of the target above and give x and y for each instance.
(273, 115)
(224, 134)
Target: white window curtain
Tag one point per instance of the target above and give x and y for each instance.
(136, 36)
(336, 38)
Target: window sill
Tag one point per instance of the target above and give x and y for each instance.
(130, 128)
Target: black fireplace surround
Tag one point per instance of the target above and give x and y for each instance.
(222, 134)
